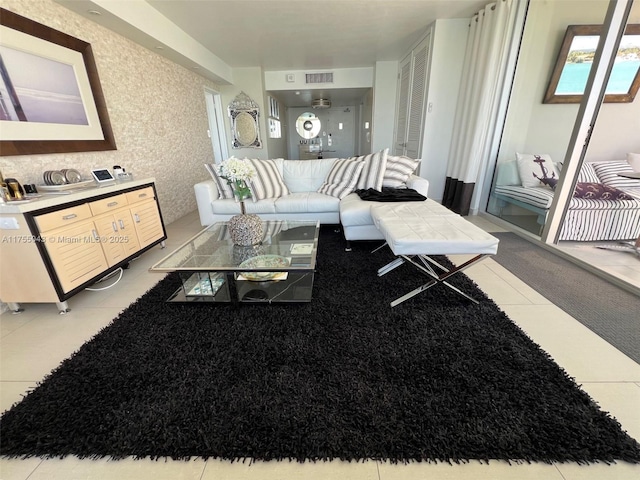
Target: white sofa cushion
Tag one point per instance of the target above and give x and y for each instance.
(372, 175)
(302, 202)
(342, 177)
(268, 182)
(355, 211)
(398, 171)
(530, 168)
(224, 189)
(232, 207)
(306, 175)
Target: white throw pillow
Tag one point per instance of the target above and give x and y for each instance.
(268, 182)
(633, 159)
(342, 178)
(537, 170)
(398, 171)
(224, 189)
(372, 175)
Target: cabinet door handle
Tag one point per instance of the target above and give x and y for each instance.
(142, 195)
(112, 204)
(95, 235)
(121, 224)
(115, 227)
(70, 216)
(136, 217)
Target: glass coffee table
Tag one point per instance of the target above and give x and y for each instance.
(213, 269)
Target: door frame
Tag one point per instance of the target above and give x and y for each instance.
(216, 131)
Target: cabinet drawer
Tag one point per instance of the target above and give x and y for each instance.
(60, 218)
(108, 204)
(139, 195)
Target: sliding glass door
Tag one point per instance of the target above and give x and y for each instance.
(551, 119)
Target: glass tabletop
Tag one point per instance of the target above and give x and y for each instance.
(287, 246)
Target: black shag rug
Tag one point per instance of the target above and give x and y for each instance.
(343, 377)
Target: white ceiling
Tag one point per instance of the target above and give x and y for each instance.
(302, 34)
(290, 34)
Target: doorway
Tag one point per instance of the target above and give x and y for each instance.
(216, 125)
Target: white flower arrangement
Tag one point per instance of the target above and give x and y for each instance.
(237, 173)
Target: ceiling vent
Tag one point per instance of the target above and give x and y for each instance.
(321, 103)
(326, 77)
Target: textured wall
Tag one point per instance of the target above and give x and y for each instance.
(156, 108)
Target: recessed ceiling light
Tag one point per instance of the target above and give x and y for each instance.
(94, 12)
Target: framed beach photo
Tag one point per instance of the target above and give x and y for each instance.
(50, 95)
(573, 65)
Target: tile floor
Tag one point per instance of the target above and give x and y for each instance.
(36, 341)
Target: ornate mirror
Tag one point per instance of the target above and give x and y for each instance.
(244, 114)
(308, 125)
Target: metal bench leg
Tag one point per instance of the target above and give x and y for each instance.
(426, 268)
(395, 263)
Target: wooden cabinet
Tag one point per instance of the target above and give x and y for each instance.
(76, 242)
(75, 253)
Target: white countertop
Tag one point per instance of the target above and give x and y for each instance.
(48, 199)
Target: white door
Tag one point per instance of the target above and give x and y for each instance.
(412, 94)
(216, 126)
(419, 68)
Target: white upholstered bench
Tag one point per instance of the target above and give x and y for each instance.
(415, 231)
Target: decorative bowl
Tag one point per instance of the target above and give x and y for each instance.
(263, 261)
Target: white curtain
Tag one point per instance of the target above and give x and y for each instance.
(483, 78)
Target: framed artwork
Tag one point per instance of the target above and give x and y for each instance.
(571, 71)
(50, 95)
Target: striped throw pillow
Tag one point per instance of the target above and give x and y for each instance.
(342, 178)
(372, 175)
(398, 171)
(224, 189)
(268, 182)
(608, 173)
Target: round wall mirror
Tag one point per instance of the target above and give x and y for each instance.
(308, 125)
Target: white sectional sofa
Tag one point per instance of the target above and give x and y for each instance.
(303, 179)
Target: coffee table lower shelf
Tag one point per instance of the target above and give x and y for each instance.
(226, 287)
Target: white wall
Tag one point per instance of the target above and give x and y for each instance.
(365, 118)
(448, 44)
(157, 111)
(342, 78)
(249, 81)
(276, 147)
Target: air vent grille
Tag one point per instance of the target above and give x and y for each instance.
(326, 77)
